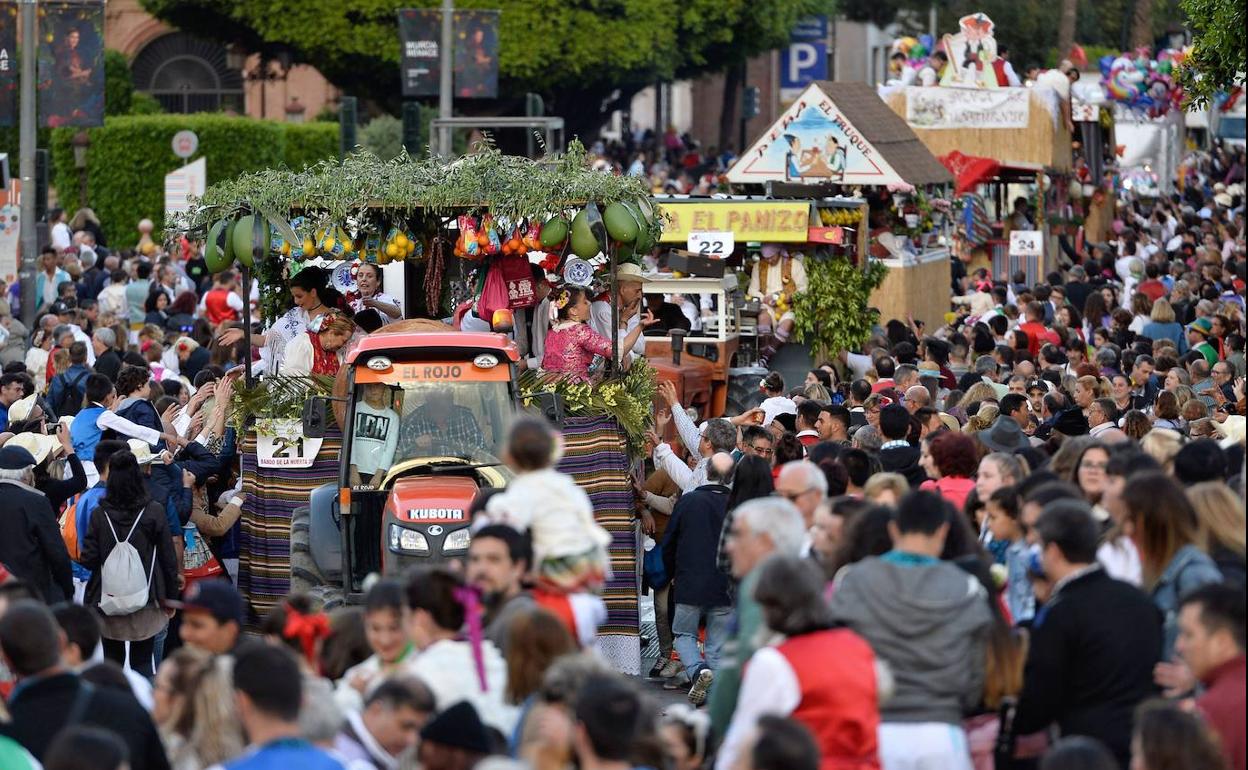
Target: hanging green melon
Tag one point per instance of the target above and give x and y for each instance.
(644, 242)
(621, 224)
(227, 242)
(553, 233)
(584, 243)
(215, 246)
(244, 239)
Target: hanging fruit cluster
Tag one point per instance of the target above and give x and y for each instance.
(839, 217)
(629, 224)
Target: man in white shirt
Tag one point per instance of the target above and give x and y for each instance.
(59, 232)
(376, 437)
(718, 435)
(629, 279)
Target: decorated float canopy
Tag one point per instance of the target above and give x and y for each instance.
(839, 133)
(1013, 126)
(485, 208)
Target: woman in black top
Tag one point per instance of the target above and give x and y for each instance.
(127, 514)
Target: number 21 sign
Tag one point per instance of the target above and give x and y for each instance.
(282, 445)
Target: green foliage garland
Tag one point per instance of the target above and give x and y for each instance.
(509, 187)
(130, 155)
(832, 314)
(629, 399)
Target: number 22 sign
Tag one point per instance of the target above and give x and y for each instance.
(716, 245)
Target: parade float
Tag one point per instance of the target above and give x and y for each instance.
(1001, 142)
(868, 212)
(475, 232)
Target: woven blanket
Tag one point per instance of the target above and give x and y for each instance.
(273, 494)
(594, 457)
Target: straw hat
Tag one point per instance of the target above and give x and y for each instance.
(141, 451)
(39, 445)
(629, 272)
(22, 408)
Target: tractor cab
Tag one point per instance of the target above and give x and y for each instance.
(429, 411)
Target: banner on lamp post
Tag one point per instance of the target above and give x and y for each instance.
(8, 64)
(475, 55)
(71, 64)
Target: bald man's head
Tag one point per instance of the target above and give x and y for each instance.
(719, 468)
(917, 397)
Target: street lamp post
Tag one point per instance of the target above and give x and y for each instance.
(446, 81)
(81, 143)
(29, 235)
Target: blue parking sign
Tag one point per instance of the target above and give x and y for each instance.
(806, 58)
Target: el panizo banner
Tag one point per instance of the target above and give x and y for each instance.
(781, 221)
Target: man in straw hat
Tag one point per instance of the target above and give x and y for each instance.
(30, 543)
(629, 280)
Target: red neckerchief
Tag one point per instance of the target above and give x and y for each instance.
(323, 361)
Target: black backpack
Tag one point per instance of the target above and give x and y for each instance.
(71, 396)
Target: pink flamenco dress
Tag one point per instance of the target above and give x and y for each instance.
(570, 349)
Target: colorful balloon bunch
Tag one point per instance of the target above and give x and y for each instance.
(1148, 85)
(917, 50)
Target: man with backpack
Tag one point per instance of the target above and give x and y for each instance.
(67, 390)
(77, 517)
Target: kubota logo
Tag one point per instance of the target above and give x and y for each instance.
(436, 514)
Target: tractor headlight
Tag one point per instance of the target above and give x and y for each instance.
(457, 540)
(402, 539)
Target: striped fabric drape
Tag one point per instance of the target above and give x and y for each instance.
(273, 494)
(594, 455)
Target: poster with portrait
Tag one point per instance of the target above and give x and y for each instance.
(8, 64)
(71, 64)
(476, 54)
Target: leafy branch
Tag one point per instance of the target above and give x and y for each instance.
(832, 314)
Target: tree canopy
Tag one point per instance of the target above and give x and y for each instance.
(1219, 48)
(576, 54)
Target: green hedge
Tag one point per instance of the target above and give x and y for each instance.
(309, 143)
(130, 155)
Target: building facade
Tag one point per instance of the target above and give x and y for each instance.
(188, 74)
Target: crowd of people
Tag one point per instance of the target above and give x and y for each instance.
(1013, 541)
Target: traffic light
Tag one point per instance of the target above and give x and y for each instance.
(347, 117)
(750, 102)
(413, 130)
(41, 185)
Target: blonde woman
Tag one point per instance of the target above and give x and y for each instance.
(886, 488)
(1162, 444)
(1220, 514)
(983, 419)
(194, 710)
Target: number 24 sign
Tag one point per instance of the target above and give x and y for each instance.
(716, 245)
(1026, 243)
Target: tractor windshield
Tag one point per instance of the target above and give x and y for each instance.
(434, 421)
